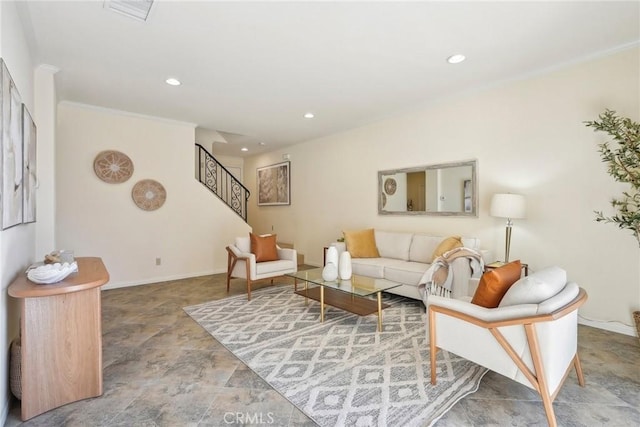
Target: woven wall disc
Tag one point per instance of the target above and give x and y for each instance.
(148, 194)
(113, 166)
(390, 186)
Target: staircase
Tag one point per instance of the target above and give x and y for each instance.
(221, 182)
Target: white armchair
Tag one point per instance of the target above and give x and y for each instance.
(531, 337)
(241, 263)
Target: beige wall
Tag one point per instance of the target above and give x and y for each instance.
(189, 232)
(16, 244)
(46, 106)
(528, 137)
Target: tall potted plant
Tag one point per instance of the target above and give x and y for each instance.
(622, 157)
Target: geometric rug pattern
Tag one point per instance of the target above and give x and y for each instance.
(341, 372)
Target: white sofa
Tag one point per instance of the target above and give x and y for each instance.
(405, 257)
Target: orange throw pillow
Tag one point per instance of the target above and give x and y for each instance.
(264, 247)
(495, 283)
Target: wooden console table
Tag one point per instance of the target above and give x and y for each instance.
(61, 334)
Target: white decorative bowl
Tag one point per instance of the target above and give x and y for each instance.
(51, 273)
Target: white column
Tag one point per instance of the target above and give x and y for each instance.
(45, 118)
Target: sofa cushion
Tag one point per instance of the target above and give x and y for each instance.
(361, 243)
(422, 247)
(405, 272)
(446, 245)
(274, 266)
(471, 243)
(264, 247)
(495, 283)
(536, 288)
(371, 267)
(243, 244)
(393, 245)
(559, 300)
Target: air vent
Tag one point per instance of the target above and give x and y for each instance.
(136, 9)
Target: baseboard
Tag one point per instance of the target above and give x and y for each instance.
(611, 326)
(161, 279)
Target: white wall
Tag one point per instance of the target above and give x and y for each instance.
(233, 165)
(17, 243)
(189, 232)
(528, 137)
(45, 105)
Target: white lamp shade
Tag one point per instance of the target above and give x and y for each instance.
(510, 206)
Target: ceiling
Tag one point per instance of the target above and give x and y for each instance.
(253, 69)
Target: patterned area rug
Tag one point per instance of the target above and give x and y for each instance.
(341, 372)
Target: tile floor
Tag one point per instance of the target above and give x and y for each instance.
(162, 369)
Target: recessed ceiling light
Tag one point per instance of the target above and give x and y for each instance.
(309, 115)
(456, 59)
(244, 149)
(173, 82)
(261, 143)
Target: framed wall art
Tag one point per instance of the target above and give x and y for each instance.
(12, 179)
(29, 170)
(274, 184)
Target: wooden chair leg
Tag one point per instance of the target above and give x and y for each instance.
(231, 263)
(542, 382)
(432, 344)
(578, 366)
(228, 270)
(246, 263)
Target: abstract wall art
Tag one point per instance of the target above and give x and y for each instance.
(29, 170)
(12, 164)
(274, 184)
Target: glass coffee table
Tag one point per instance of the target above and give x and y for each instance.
(349, 295)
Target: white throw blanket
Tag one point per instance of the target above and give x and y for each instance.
(438, 278)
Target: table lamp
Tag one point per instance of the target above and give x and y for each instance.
(510, 206)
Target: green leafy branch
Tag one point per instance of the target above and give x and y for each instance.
(622, 157)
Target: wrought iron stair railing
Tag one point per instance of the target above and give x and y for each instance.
(213, 175)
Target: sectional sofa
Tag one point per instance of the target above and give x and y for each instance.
(405, 257)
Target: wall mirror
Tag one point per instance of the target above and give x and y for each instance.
(443, 189)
